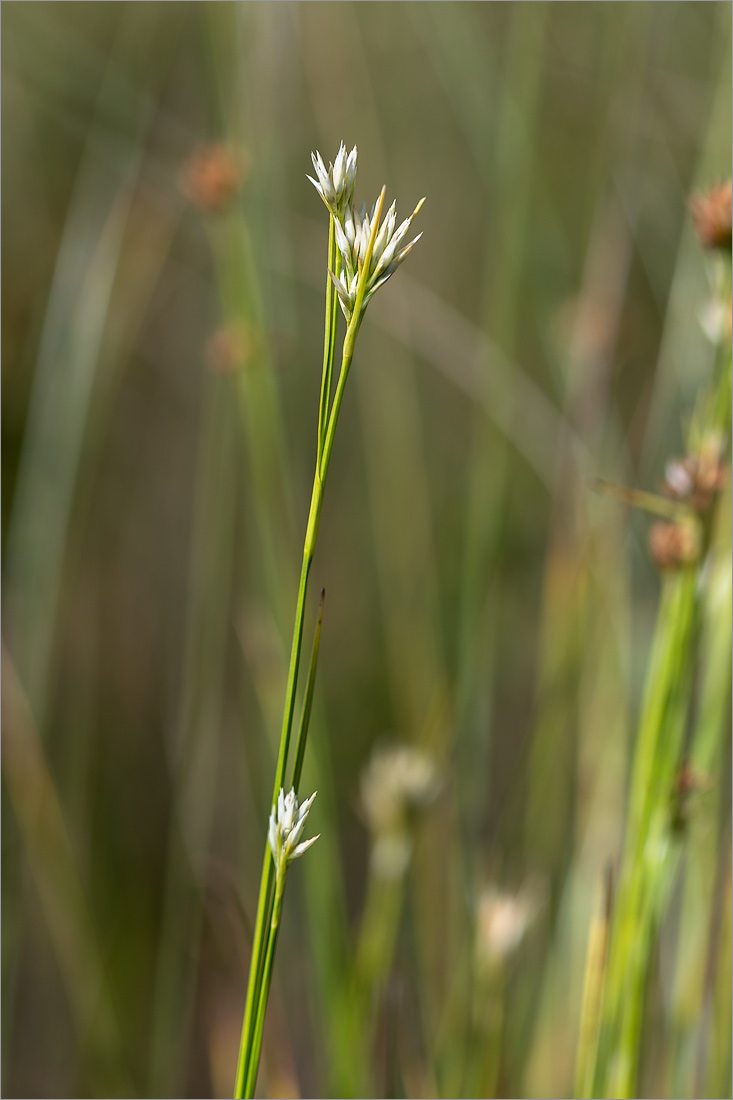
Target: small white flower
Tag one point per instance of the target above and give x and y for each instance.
(335, 184)
(287, 821)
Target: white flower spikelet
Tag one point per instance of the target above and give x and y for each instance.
(353, 233)
(287, 821)
(335, 184)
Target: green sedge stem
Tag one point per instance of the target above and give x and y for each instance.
(645, 858)
(263, 946)
(254, 1063)
(308, 700)
(255, 976)
(259, 944)
(329, 340)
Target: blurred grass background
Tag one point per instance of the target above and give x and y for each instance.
(161, 357)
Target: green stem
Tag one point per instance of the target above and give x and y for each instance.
(308, 700)
(255, 974)
(254, 1062)
(259, 944)
(247, 1049)
(329, 341)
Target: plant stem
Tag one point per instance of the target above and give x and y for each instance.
(254, 1062)
(263, 946)
(308, 700)
(259, 943)
(329, 340)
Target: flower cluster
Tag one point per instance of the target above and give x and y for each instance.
(354, 230)
(287, 821)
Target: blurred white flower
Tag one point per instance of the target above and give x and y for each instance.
(502, 920)
(390, 854)
(714, 318)
(287, 821)
(398, 780)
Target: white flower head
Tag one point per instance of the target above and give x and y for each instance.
(335, 184)
(353, 234)
(287, 821)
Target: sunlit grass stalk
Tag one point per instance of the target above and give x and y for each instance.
(703, 855)
(657, 753)
(650, 855)
(719, 1067)
(595, 971)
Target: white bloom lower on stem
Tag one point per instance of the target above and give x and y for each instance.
(287, 821)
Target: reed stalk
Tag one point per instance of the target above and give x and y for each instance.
(362, 254)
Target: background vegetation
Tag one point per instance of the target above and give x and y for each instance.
(162, 327)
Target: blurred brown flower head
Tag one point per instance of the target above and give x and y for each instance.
(673, 545)
(711, 214)
(687, 785)
(231, 348)
(212, 176)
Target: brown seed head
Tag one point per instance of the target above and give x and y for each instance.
(711, 214)
(672, 545)
(212, 176)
